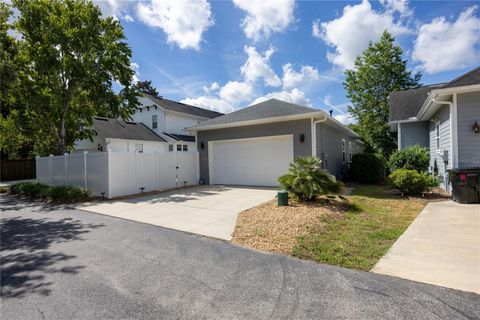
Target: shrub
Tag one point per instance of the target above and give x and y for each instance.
(411, 158)
(306, 179)
(55, 193)
(367, 168)
(412, 182)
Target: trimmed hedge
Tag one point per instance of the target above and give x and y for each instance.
(367, 168)
(411, 158)
(55, 193)
(412, 182)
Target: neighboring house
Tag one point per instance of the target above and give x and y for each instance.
(157, 125)
(444, 118)
(255, 145)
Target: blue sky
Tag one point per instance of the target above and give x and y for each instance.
(226, 55)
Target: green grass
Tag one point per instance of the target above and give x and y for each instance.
(360, 236)
(34, 190)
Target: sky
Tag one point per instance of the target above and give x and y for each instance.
(226, 55)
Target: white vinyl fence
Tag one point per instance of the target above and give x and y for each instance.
(115, 174)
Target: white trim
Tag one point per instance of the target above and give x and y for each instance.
(454, 130)
(314, 134)
(211, 147)
(257, 121)
(399, 136)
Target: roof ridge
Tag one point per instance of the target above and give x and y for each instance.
(181, 103)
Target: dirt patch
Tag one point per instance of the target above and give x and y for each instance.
(276, 229)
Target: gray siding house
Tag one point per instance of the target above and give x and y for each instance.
(443, 118)
(255, 145)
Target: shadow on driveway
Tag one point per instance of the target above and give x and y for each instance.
(26, 255)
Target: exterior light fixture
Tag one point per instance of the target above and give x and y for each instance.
(476, 127)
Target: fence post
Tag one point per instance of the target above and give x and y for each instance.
(85, 170)
(107, 170)
(65, 160)
(50, 168)
(155, 159)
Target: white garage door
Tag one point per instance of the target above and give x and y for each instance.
(250, 162)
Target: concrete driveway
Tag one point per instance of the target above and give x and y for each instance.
(206, 210)
(70, 264)
(441, 247)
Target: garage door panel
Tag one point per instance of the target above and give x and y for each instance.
(258, 161)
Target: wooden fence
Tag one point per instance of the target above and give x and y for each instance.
(17, 169)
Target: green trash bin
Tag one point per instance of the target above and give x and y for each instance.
(282, 197)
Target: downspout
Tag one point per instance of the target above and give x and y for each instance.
(314, 134)
(452, 125)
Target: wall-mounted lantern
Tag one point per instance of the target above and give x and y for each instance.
(302, 138)
(202, 145)
(476, 127)
(99, 147)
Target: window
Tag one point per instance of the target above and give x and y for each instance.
(179, 147)
(185, 147)
(154, 121)
(170, 148)
(139, 147)
(350, 151)
(437, 134)
(343, 150)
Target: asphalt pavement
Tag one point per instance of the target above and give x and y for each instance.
(61, 263)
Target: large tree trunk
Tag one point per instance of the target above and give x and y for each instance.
(62, 146)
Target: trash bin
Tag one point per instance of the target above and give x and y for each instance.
(282, 197)
(465, 185)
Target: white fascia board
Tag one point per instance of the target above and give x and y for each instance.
(186, 114)
(258, 121)
(454, 90)
(343, 127)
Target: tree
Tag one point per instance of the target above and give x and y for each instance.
(377, 72)
(146, 87)
(69, 59)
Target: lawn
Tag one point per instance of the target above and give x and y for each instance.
(354, 232)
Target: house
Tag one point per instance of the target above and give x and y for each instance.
(444, 118)
(255, 145)
(157, 125)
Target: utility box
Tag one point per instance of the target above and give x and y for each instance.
(282, 197)
(465, 185)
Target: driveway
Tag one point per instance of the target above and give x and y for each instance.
(441, 247)
(206, 210)
(71, 264)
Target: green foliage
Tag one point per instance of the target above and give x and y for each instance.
(146, 87)
(377, 72)
(55, 193)
(367, 168)
(306, 179)
(412, 182)
(67, 61)
(412, 158)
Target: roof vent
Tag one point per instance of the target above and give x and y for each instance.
(331, 113)
(183, 104)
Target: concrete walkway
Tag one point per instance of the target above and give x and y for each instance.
(441, 247)
(206, 210)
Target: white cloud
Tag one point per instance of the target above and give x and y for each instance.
(265, 17)
(350, 33)
(339, 110)
(211, 103)
(344, 118)
(292, 79)
(446, 45)
(183, 21)
(235, 92)
(257, 66)
(115, 8)
(136, 71)
(400, 6)
(294, 96)
(212, 88)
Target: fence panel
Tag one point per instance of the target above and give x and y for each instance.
(17, 169)
(44, 174)
(76, 170)
(121, 170)
(97, 173)
(58, 170)
(145, 171)
(187, 164)
(166, 170)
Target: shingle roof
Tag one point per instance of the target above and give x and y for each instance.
(183, 108)
(469, 78)
(181, 137)
(406, 103)
(119, 129)
(267, 109)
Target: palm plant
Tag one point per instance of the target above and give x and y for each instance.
(306, 179)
